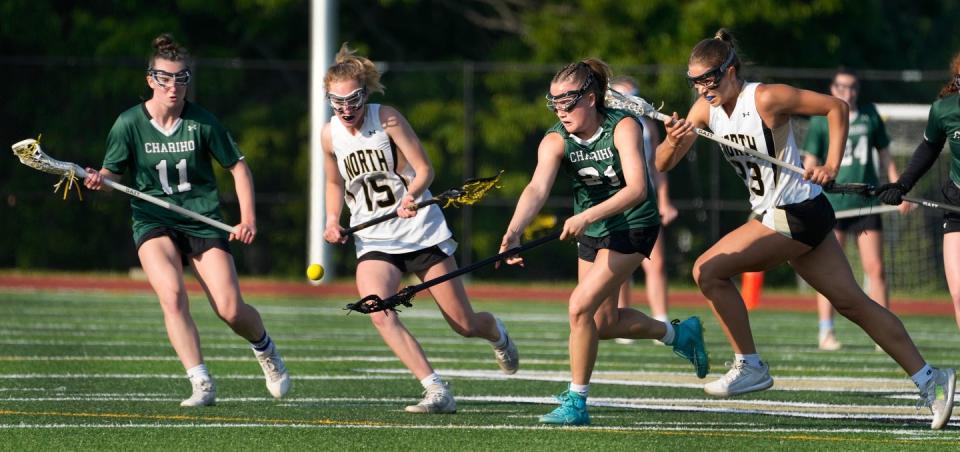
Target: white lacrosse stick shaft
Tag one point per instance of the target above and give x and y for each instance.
(638, 106)
(59, 167)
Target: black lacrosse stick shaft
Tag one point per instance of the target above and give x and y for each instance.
(869, 190)
(366, 224)
(372, 303)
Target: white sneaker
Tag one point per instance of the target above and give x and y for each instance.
(508, 358)
(740, 379)
(275, 371)
(624, 340)
(829, 342)
(204, 393)
(938, 396)
(437, 398)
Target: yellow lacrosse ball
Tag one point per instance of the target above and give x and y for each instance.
(315, 272)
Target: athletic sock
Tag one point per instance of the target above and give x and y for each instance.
(662, 318)
(752, 360)
(583, 390)
(198, 372)
(263, 344)
(432, 379)
(922, 376)
(826, 327)
(502, 341)
(670, 335)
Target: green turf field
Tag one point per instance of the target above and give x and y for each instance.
(83, 370)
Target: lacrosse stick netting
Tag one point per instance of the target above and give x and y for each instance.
(30, 154)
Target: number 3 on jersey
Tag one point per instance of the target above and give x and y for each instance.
(184, 184)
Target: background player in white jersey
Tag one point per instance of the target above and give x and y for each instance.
(375, 162)
(166, 146)
(867, 152)
(654, 271)
(794, 221)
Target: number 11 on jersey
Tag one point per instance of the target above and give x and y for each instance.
(184, 184)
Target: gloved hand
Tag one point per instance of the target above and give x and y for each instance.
(891, 193)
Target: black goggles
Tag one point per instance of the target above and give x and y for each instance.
(568, 100)
(167, 79)
(353, 101)
(711, 78)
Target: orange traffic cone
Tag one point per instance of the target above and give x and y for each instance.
(750, 288)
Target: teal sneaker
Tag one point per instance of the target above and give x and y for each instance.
(572, 410)
(688, 343)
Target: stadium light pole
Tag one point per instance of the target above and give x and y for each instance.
(323, 14)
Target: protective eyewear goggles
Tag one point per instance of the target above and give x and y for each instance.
(568, 100)
(352, 101)
(711, 78)
(167, 79)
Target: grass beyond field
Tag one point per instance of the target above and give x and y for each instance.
(85, 370)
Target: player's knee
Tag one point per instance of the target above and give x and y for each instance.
(173, 302)
(579, 313)
(381, 320)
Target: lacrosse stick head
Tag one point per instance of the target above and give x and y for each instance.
(30, 154)
(635, 105)
(472, 191)
(373, 303)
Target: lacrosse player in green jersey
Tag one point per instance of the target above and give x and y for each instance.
(943, 126)
(867, 151)
(167, 146)
(616, 223)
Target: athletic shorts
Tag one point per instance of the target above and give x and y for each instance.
(188, 245)
(858, 225)
(951, 220)
(414, 261)
(640, 240)
(807, 222)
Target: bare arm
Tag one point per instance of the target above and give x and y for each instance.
(776, 103)
(680, 135)
(409, 146)
(333, 190)
(549, 156)
(667, 211)
(246, 231)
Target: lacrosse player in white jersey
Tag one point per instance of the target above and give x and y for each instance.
(792, 220)
(376, 164)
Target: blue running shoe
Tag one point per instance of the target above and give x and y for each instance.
(572, 410)
(688, 343)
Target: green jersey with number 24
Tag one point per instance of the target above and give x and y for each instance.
(175, 166)
(596, 174)
(860, 163)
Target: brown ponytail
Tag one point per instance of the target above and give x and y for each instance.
(349, 66)
(714, 51)
(165, 48)
(953, 85)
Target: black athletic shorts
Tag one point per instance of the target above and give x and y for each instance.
(640, 240)
(858, 225)
(951, 220)
(412, 262)
(188, 245)
(807, 222)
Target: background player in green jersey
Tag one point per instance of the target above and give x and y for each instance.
(166, 145)
(866, 154)
(615, 224)
(943, 126)
(654, 269)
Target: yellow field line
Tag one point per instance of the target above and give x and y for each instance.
(182, 417)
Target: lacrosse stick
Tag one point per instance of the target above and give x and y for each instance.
(373, 303)
(640, 107)
(30, 154)
(869, 190)
(472, 191)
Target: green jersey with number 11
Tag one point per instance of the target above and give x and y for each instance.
(175, 166)
(596, 174)
(860, 163)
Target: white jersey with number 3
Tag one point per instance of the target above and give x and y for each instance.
(375, 180)
(769, 185)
